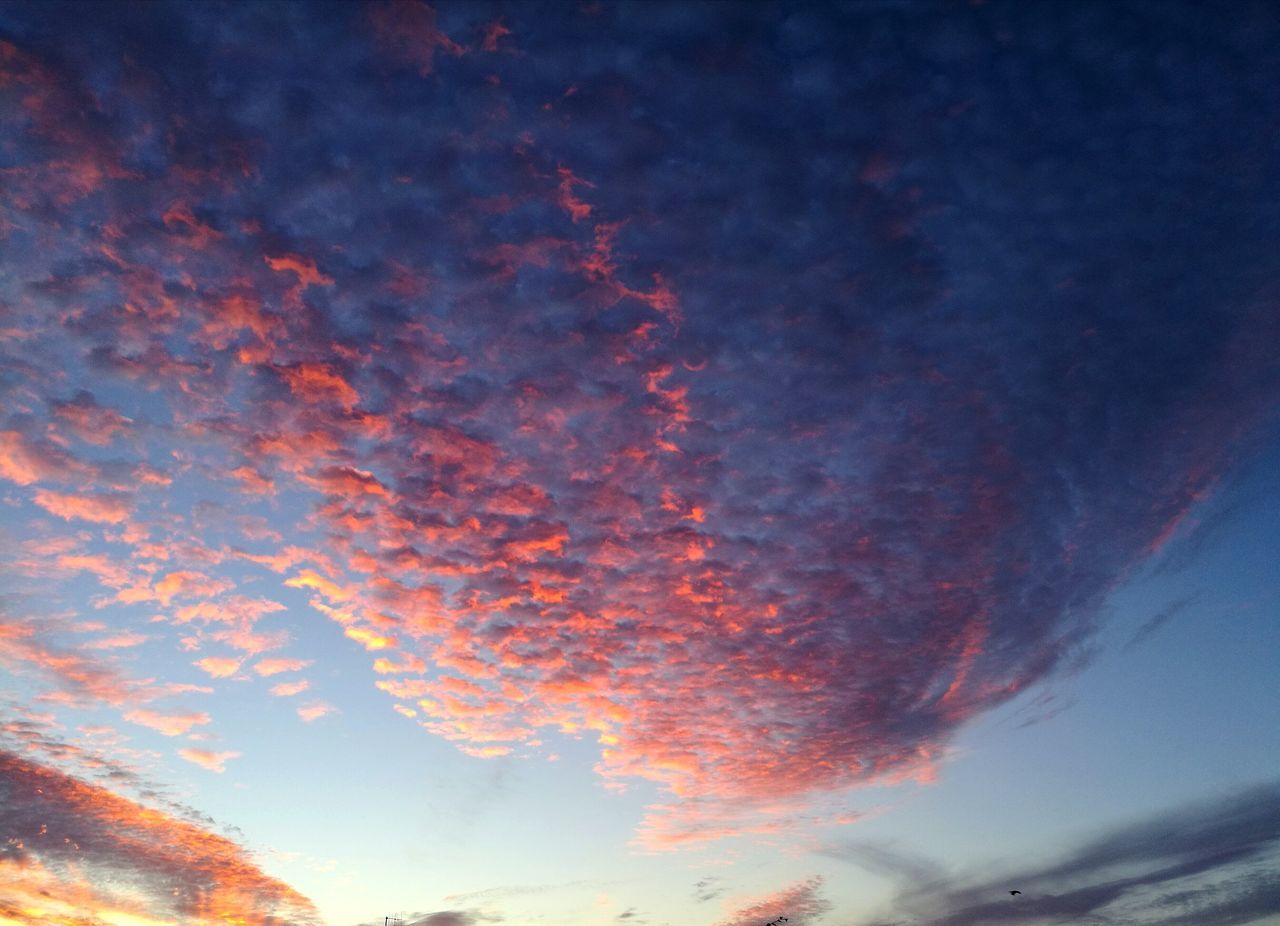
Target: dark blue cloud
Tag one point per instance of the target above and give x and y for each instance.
(1211, 862)
(854, 349)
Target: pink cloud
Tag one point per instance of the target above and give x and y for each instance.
(91, 422)
(269, 667)
(801, 902)
(289, 689)
(168, 724)
(118, 641)
(315, 711)
(25, 461)
(23, 648)
(219, 666)
(100, 508)
(213, 761)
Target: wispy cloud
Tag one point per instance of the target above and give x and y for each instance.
(1211, 862)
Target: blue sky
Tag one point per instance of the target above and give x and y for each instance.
(600, 463)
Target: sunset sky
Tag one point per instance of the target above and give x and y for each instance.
(598, 463)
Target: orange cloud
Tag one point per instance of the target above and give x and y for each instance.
(237, 313)
(92, 423)
(370, 639)
(218, 666)
(314, 711)
(408, 663)
(188, 584)
(289, 689)
(303, 267)
(80, 854)
(319, 383)
(168, 724)
(118, 641)
(100, 508)
(309, 578)
(347, 482)
(269, 667)
(213, 761)
(253, 481)
(109, 573)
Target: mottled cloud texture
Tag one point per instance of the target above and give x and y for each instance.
(763, 391)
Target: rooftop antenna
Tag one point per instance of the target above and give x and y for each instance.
(393, 921)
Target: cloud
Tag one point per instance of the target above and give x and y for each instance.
(407, 30)
(118, 641)
(168, 724)
(1213, 861)
(453, 918)
(1152, 625)
(219, 666)
(25, 460)
(289, 689)
(25, 647)
(801, 903)
(315, 711)
(766, 434)
(98, 507)
(213, 761)
(79, 849)
(90, 421)
(269, 667)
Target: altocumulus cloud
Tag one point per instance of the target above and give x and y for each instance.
(766, 431)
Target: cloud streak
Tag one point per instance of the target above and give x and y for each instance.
(1207, 862)
(78, 849)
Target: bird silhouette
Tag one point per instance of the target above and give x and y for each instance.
(1015, 892)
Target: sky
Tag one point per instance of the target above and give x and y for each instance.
(596, 463)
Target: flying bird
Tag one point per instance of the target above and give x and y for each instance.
(1015, 892)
